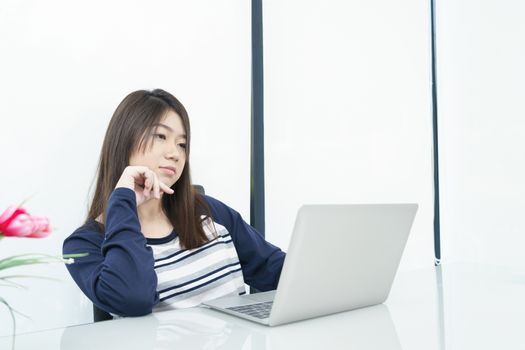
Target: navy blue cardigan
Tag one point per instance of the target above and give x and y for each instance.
(118, 274)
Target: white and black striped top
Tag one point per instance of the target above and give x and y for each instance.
(189, 277)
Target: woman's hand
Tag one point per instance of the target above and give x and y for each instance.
(144, 182)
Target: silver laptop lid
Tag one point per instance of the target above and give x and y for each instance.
(341, 257)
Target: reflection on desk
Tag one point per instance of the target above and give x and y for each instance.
(462, 306)
(200, 328)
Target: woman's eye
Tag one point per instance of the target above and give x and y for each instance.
(160, 136)
(182, 145)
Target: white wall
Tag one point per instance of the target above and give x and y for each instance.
(64, 68)
(482, 149)
(348, 111)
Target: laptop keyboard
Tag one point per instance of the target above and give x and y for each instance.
(258, 310)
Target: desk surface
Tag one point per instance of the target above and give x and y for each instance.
(458, 306)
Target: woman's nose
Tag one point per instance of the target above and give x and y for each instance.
(173, 153)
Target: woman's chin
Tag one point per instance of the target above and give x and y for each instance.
(169, 182)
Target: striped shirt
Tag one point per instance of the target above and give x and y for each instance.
(126, 274)
(189, 277)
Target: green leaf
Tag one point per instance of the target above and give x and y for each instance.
(30, 259)
(12, 286)
(13, 311)
(29, 276)
(78, 255)
(25, 200)
(11, 283)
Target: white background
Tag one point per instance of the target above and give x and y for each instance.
(480, 54)
(347, 116)
(64, 67)
(348, 111)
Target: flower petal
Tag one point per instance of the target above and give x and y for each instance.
(41, 227)
(20, 226)
(7, 213)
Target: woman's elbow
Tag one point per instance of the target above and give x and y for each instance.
(130, 302)
(134, 307)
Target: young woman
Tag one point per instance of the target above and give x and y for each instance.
(153, 242)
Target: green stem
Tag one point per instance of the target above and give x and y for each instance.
(12, 284)
(29, 259)
(2, 300)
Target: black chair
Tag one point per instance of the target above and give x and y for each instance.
(101, 315)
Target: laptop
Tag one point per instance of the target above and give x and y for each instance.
(340, 258)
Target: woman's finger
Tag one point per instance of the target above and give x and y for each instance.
(147, 183)
(165, 188)
(156, 187)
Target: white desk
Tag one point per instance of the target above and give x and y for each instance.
(460, 306)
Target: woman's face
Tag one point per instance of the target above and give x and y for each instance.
(167, 155)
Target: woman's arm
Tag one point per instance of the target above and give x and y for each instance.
(118, 274)
(261, 261)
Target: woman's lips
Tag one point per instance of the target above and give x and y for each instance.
(168, 170)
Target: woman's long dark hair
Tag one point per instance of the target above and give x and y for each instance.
(128, 132)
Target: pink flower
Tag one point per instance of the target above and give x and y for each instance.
(41, 226)
(17, 222)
